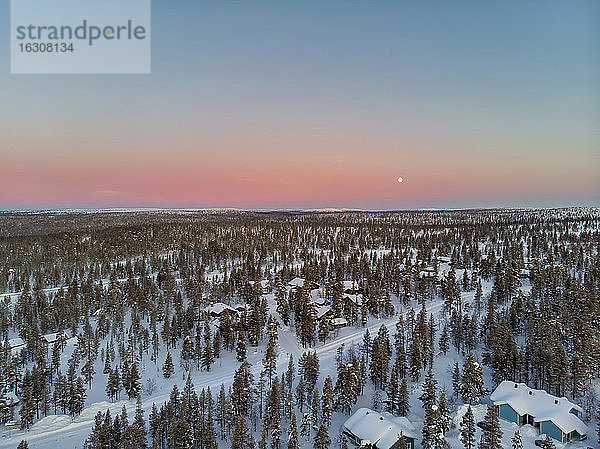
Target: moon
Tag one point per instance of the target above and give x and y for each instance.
(400, 179)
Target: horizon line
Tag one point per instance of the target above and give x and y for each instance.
(117, 209)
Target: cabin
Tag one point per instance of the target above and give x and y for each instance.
(557, 417)
(16, 343)
(300, 283)
(338, 323)
(368, 427)
(219, 309)
(50, 339)
(354, 299)
(352, 288)
(13, 425)
(324, 312)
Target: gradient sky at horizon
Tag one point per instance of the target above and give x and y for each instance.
(320, 104)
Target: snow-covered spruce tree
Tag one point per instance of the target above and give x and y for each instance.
(308, 369)
(242, 389)
(207, 355)
(327, 401)
(240, 347)
(270, 361)
(301, 394)
(132, 383)
(188, 353)
(516, 441)
(433, 430)
(293, 433)
(403, 406)
(491, 437)
(471, 387)
(242, 436)
(444, 341)
(444, 412)
(415, 358)
(467, 429)
(273, 414)
(456, 380)
(113, 385)
(429, 395)
(168, 367)
(392, 392)
(548, 443)
(322, 440)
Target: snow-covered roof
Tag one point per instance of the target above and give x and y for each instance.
(16, 342)
(51, 338)
(339, 322)
(351, 285)
(539, 404)
(370, 426)
(218, 308)
(296, 282)
(356, 299)
(322, 311)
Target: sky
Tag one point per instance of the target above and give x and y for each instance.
(311, 104)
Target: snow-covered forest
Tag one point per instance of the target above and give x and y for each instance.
(239, 329)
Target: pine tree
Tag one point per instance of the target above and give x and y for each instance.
(76, 397)
(517, 441)
(327, 401)
(415, 358)
(242, 390)
(113, 386)
(107, 369)
(322, 440)
(429, 395)
(433, 430)
(392, 391)
(403, 406)
(273, 414)
(88, 372)
(182, 433)
(241, 347)
(444, 413)
(471, 387)
(23, 445)
(467, 429)
(168, 367)
(207, 351)
(133, 386)
(187, 352)
(491, 437)
(242, 437)
(547, 443)
(270, 361)
(27, 410)
(300, 394)
(324, 328)
(456, 380)
(262, 443)
(444, 341)
(293, 433)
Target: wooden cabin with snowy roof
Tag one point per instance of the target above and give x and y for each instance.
(368, 427)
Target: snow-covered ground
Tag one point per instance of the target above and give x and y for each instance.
(62, 431)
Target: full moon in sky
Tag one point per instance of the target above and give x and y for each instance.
(400, 179)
